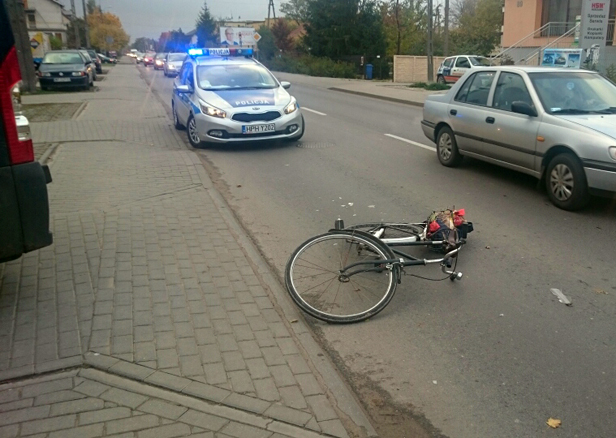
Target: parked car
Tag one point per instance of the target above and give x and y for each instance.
(24, 203)
(91, 61)
(228, 98)
(173, 63)
(65, 68)
(159, 61)
(107, 60)
(556, 124)
(454, 67)
(97, 62)
(113, 54)
(148, 59)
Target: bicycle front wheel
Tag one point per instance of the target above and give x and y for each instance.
(341, 276)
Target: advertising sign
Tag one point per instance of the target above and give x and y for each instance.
(566, 58)
(595, 17)
(237, 36)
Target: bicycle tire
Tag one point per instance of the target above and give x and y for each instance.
(317, 262)
(393, 230)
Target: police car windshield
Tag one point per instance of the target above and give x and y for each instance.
(224, 77)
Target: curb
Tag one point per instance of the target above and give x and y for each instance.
(376, 96)
(48, 153)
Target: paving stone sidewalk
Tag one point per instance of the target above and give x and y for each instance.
(147, 279)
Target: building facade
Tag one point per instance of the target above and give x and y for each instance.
(46, 20)
(529, 25)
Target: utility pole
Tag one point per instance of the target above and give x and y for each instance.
(75, 27)
(446, 42)
(430, 48)
(17, 17)
(270, 7)
(85, 24)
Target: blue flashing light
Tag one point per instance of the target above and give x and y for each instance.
(221, 52)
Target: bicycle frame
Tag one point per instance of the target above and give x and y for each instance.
(407, 259)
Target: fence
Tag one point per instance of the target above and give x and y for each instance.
(414, 68)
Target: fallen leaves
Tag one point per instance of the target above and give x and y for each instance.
(553, 423)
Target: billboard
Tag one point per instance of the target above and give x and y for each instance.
(237, 36)
(566, 58)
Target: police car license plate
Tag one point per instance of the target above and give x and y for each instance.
(257, 129)
(62, 80)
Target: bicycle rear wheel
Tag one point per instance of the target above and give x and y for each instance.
(317, 281)
(391, 230)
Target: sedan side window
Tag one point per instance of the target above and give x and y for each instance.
(510, 88)
(463, 62)
(476, 89)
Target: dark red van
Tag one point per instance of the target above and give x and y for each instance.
(24, 205)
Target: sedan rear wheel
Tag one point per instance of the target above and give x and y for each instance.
(447, 148)
(566, 182)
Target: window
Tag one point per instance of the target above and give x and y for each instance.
(462, 62)
(448, 62)
(510, 88)
(31, 19)
(476, 89)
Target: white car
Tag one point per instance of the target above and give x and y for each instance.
(224, 96)
(454, 67)
(173, 63)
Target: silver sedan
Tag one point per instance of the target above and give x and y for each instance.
(556, 124)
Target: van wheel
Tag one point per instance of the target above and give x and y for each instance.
(566, 182)
(441, 80)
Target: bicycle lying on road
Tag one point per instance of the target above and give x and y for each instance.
(351, 274)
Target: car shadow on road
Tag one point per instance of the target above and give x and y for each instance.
(598, 207)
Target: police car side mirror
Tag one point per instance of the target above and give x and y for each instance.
(286, 85)
(182, 89)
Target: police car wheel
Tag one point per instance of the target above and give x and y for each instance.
(176, 121)
(441, 80)
(193, 134)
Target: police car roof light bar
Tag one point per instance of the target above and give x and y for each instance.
(247, 52)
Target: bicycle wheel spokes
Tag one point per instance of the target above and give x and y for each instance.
(318, 282)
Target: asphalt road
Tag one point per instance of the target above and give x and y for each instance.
(493, 355)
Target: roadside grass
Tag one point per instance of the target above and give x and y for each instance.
(432, 86)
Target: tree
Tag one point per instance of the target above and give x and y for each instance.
(92, 7)
(282, 35)
(106, 31)
(296, 10)
(267, 46)
(173, 41)
(55, 43)
(478, 26)
(70, 33)
(339, 28)
(144, 44)
(206, 27)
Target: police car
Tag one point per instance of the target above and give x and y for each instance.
(225, 96)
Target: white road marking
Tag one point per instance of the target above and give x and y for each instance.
(414, 143)
(313, 111)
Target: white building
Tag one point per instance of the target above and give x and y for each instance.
(46, 19)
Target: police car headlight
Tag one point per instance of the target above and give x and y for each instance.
(292, 107)
(212, 111)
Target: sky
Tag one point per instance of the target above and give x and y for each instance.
(148, 18)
